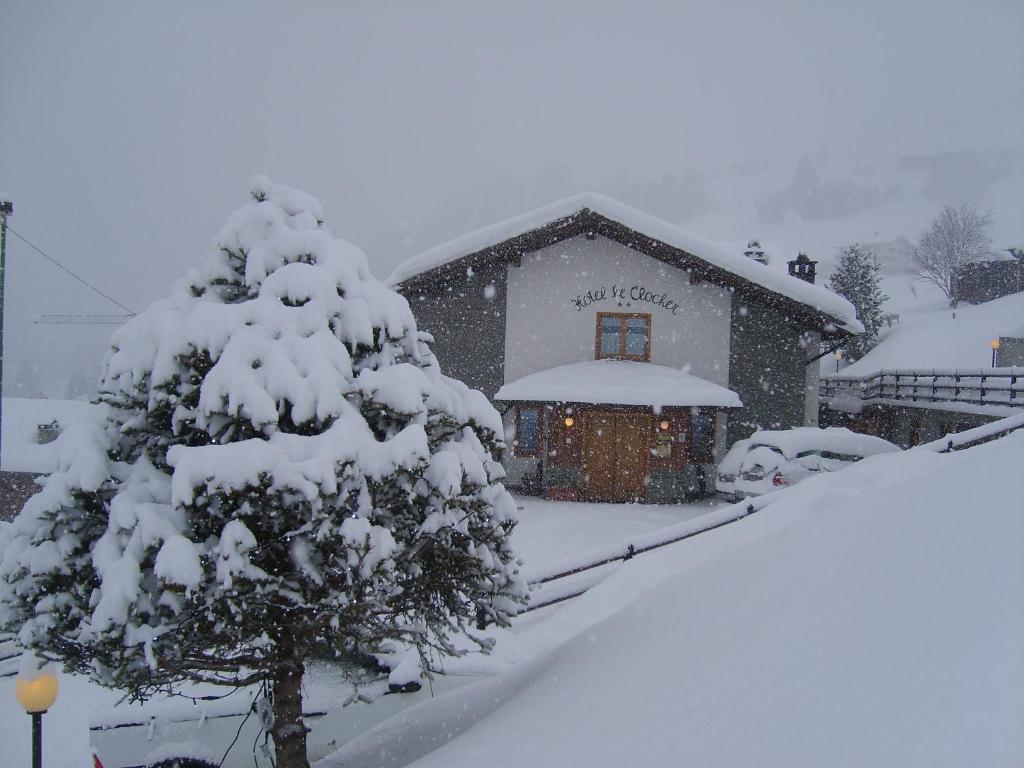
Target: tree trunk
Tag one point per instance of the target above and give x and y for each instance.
(289, 730)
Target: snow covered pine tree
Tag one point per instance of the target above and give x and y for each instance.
(856, 278)
(281, 466)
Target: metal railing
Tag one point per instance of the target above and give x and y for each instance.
(986, 386)
(958, 441)
(554, 587)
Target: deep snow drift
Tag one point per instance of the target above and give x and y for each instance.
(870, 617)
(944, 337)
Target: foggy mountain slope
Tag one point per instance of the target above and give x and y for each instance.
(814, 206)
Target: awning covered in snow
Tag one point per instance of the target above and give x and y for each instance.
(618, 382)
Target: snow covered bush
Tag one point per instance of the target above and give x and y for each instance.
(281, 466)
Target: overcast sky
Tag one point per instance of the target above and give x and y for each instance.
(129, 130)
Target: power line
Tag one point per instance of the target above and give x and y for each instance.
(56, 263)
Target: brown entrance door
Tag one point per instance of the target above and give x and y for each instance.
(616, 448)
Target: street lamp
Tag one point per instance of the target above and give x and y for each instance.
(838, 355)
(36, 692)
(995, 348)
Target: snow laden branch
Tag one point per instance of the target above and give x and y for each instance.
(280, 469)
(956, 236)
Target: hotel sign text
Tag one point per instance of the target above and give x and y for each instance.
(639, 293)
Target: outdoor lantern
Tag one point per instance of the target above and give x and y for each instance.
(995, 348)
(569, 421)
(665, 425)
(36, 691)
(838, 355)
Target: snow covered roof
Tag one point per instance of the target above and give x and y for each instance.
(21, 420)
(989, 256)
(945, 338)
(813, 296)
(618, 382)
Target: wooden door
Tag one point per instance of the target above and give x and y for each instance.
(598, 466)
(632, 453)
(616, 448)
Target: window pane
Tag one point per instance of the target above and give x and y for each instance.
(528, 439)
(611, 335)
(703, 435)
(636, 336)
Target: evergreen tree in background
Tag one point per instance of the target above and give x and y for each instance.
(856, 278)
(279, 466)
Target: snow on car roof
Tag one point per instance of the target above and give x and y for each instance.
(619, 382)
(815, 296)
(793, 442)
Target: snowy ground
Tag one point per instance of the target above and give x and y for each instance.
(932, 335)
(867, 617)
(549, 533)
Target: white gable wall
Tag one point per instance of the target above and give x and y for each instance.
(545, 327)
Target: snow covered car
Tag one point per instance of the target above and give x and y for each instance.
(767, 461)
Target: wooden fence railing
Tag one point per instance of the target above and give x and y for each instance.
(987, 386)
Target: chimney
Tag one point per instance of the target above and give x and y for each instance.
(803, 268)
(756, 252)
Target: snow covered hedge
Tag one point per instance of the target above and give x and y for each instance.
(280, 465)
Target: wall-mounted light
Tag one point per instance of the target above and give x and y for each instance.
(569, 421)
(665, 425)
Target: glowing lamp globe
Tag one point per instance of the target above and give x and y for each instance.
(37, 691)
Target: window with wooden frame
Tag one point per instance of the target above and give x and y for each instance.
(623, 336)
(527, 442)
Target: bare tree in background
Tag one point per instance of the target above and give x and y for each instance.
(955, 237)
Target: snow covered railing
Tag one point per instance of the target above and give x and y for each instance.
(985, 386)
(958, 440)
(575, 576)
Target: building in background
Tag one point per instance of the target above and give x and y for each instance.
(992, 275)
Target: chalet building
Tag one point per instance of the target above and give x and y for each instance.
(625, 354)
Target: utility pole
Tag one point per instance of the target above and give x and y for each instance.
(6, 209)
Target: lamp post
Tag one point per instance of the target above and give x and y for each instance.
(995, 348)
(838, 355)
(6, 209)
(36, 692)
